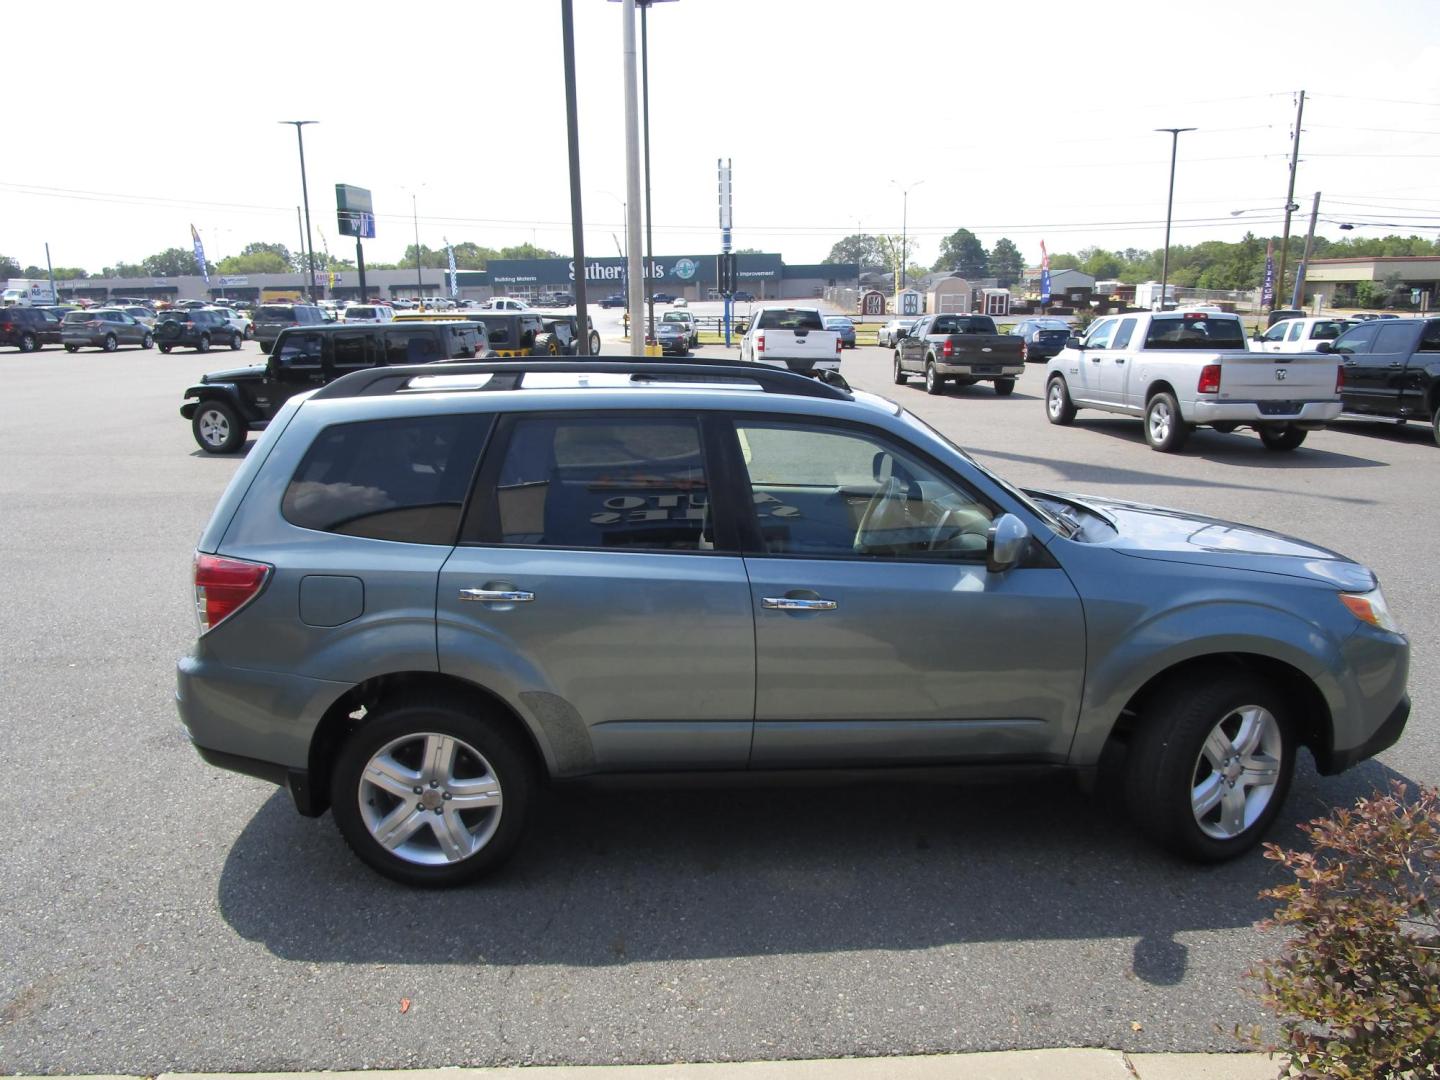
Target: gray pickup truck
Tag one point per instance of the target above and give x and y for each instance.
(964, 349)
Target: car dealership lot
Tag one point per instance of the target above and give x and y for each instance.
(161, 914)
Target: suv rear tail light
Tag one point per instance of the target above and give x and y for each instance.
(223, 586)
(948, 349)
(1339, 378)
(760, 341)
(1209, 379)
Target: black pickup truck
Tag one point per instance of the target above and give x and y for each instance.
(225, 406)
(964, 349)
(1392, 368)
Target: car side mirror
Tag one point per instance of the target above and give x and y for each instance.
(1005, 543)
(742, 327)
(1325, 347)
(1075, 341)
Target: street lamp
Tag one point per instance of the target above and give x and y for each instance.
(305, 194)
(904, 225)
(1169, 205)
(415, 220)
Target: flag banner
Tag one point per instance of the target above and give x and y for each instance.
(1267, 289)
(199, 254)
(1044, 274)
(454, 281)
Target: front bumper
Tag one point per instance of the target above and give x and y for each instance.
(1370, 714)
(1306, 414)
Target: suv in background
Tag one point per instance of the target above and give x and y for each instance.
(224, 406)
(103, 328)
(430, 590)
(1041, 338)
(195, 328)
(270, 319)
(29, 329)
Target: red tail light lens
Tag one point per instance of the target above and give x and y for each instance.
(948, 349)
(1339, 378)
(1209, 379)
(223, 586)
(760, 342)
(837, 344)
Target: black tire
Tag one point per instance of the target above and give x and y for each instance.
(594, 343)
(1004, 387)
(72, 348)
(111, 343)
(29, 343)
(489, 749)
(203, 345)
(900, 377)
(1169, 765)
(165, 346)
(266, 346)
(249, 332)
(147, 342)
(1435, 424)
(934, 384)
(217, 427)
(1164, 430)
(1282, 436)
(1059, 409)
(235, 340)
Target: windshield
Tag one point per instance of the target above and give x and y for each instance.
(1195, 330)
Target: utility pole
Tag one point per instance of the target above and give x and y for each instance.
(1169, 206)
(1295, 300)
(307, 249)
(635, 300)
(419, 285)
(1290, 196)
(300, 224)
(49, 269)
(572, 128)
(645, 114)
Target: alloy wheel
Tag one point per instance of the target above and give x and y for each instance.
(1236, 772)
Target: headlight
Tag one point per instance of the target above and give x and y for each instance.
(1371, 608)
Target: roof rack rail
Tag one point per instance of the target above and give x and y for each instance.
(387, 380)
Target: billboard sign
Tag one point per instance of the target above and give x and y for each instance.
(354, 212)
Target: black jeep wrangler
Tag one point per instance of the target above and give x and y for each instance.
(226, 405)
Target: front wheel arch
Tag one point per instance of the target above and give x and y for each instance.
(340, 720)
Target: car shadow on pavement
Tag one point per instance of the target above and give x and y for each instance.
(1417, 432)
(606, 876)
(1241, 448)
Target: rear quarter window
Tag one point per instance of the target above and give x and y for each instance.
(404, 480)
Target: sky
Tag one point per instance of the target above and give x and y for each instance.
(1034, 122)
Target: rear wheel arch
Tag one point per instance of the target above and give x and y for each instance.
(1160, 386)
(340, 719)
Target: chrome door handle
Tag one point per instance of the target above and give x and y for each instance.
(787, 603)
(497, 596)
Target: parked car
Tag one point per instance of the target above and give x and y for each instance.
(684, 318)
(1392, 369)
(1299, 335)
(673, 338)
(504, 303)
(613, 300)
(377, 313)
(141, 314)
(103, 328)
(842, 326)
(743, 298)
(239, 320)
(963, 349)
(889, 333)
(270, 319)
(224, 406)
(1040, 339)
(681, 302)
(519, 333)
(29, 329)
(419, 604)
(663, 298)
(196, 328)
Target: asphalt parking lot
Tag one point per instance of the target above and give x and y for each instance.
(159, 914)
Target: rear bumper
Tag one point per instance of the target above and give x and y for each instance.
(803, 366)
(981, 369)
(1252, 412)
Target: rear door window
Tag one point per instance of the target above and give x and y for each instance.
(411, 345)
(1357, 340)
(1123, 333)
(350, 352)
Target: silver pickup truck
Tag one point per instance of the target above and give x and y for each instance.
(1181, 370)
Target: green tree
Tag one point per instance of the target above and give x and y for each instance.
(259, 262)
(1100, 264)
(124, 270)
(1064, 261)
(962, 252)
(859, 248)
(172, 262)
(62, 273)
(9, 268)
(527, 251)
(1006, 264)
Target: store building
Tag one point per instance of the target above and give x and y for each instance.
(1390, 280)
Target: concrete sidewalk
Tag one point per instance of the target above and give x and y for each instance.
(1007, 1065)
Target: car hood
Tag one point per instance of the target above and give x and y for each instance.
(1159, 533)
(231, 374)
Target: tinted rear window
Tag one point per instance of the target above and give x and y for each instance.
(404, 480)
(793, 319)
(77, 316)
(1195, 332)
(960, 324)
(275, 314)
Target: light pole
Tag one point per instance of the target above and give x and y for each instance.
(1169, 205)
(415, 220)
(905, 226)
(635, 299)
(305, 196)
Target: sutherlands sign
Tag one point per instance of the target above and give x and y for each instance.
(678, 270)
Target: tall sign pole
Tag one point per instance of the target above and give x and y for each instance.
(727, 287)
(635, 300)
(355, 216)
(572, 128)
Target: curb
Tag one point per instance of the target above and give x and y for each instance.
(1074, 1064)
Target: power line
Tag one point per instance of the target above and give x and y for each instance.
(1382, 101)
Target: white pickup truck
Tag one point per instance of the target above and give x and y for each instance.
(791, 337)
(1181, 370)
